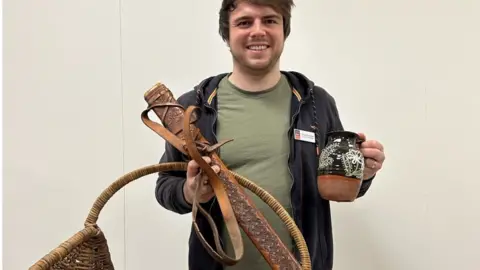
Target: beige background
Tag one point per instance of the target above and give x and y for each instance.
(403, 72)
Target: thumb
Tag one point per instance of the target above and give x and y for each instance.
(192, 169)
(362, 136)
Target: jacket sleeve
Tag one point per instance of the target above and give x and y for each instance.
(336, 124)
(169, 187)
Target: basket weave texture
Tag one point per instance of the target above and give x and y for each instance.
(86, 250)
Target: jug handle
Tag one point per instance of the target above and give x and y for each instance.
(361, 139)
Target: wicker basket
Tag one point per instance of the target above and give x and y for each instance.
(88, 248)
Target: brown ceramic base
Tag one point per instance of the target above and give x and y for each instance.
(338, 188)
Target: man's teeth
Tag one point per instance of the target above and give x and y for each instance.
(257, 48)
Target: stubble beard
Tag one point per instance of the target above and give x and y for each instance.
(243, 64)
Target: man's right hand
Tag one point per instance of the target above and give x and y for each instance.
(193, 176)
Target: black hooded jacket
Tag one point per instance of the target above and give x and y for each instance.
(310, 212)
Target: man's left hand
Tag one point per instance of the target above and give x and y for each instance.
(374, 156)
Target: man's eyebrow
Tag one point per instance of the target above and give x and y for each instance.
(247, 17)
(272, 16)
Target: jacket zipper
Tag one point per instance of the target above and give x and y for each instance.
(213, 122)
(292, 146)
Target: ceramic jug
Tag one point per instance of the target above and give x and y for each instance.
(341, 166)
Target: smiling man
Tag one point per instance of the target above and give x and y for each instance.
(261, 107)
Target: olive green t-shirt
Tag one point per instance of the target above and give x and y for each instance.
(258, 123)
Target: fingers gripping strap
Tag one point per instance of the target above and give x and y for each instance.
(230, 221)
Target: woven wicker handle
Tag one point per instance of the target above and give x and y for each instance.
(120, 183)
(88, 240)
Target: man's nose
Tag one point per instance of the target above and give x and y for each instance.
(258, 29)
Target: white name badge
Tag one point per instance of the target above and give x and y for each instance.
(302, 135)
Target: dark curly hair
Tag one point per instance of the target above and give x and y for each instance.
(284, 7)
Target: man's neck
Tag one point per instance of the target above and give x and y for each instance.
(255, 82)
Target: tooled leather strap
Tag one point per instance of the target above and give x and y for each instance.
(161, 130)
(189, 147)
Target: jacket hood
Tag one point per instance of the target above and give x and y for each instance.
(300, 84)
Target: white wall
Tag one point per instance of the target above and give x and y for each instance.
(405, 73)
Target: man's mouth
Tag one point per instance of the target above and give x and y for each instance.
(258, 47)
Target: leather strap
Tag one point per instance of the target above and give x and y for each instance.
(161, 130)
(189, 147)
(229, 217)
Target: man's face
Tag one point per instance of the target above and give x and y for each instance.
(256, 37)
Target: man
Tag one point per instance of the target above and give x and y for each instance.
(259, 106)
